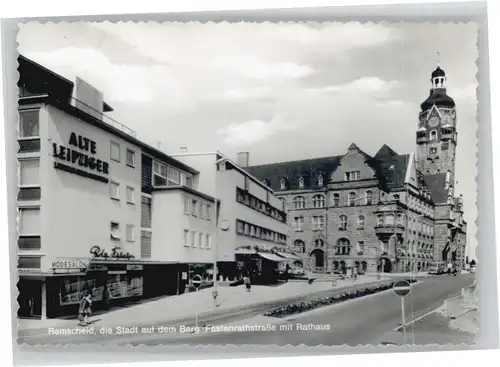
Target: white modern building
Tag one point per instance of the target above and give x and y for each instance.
(252, 222)
(99, 210)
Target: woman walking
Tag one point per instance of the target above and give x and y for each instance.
(85, 309)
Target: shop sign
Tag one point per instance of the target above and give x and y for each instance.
(99, 253)
(70, 264)
(83, 157)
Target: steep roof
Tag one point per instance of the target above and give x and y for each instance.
(389, 166)
(309, 169)
(436, 185)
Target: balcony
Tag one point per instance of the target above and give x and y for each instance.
(389, 229)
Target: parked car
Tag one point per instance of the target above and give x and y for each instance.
(435, 270)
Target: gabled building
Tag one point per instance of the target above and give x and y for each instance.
(387, 212)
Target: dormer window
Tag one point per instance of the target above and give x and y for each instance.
(320, 181)
(301, 182)
(283, 184)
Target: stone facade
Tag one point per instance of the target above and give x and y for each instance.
(387, 212)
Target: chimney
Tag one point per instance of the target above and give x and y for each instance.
(243, 159)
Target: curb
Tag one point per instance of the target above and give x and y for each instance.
(229, 312)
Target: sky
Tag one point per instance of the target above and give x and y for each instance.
(280, 91)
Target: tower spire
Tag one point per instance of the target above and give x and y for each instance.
(437, 58)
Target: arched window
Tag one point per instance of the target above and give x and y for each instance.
(299, 246)
(283, 184)
(433, 135)
(361, 222)
(343, 247)
(395, 197)
(336, 199)
(343, 222)
(299, 202)
(351, 199)
(380, 219)
(301, 182)
(400, 218)
(320, 181)
(389, 219)
(369, 197)
(318, 243)
(318, 201)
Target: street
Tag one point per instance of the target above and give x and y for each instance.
(361, 321)
(356, 322)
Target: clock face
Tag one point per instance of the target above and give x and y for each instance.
(433, 121)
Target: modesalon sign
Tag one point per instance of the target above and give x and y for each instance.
(80, 153)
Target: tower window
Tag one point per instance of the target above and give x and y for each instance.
(432, 150)
(433, 135)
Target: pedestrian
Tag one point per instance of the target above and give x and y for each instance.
(247, 282)
(85, 310)
(354, 273)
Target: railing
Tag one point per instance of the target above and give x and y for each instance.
(104, 118)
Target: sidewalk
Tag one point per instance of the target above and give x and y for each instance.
(178, 308)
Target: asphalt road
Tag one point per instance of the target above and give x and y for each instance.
(360, 321)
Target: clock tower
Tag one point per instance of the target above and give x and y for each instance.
(436, 132)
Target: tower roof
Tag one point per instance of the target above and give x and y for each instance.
(438, 72)
(437, 95)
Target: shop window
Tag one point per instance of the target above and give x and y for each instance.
(115, 231)
(29, 172)
(130, 195)
(114, 151)
(115, 190)
(130, 158)
(130, 233)
(29, 221)
(29, 124)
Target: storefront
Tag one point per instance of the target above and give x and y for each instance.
(111, 282)
(263, 267)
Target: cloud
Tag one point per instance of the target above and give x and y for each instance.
(263, 94)
(465, 93)
(119, 82)
(369, 86)
(252, 132)
(253, 67)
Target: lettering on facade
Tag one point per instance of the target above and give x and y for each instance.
(70, 264)
(99, 253)
(81, 157)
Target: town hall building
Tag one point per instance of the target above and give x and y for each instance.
(388, 212)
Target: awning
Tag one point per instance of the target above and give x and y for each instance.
(272, 257)
(289, 256)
